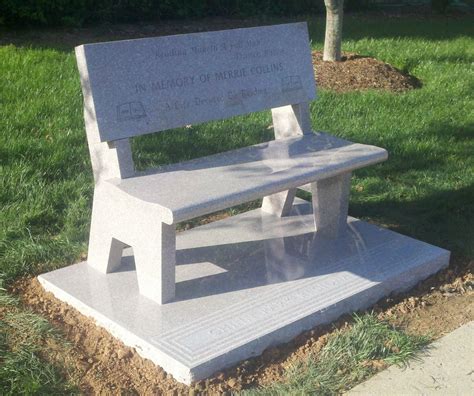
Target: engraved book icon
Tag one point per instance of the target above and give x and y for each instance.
(291, 83)
(130, 111)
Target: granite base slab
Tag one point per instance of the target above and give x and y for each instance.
(245, 283)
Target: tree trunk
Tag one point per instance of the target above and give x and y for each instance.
(332, 42)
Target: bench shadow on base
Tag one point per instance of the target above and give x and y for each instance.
(256, 256)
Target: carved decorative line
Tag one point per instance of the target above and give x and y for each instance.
(362, 284)
(232, 310)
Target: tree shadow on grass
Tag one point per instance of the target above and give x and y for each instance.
(356, 27)
(65, 38)
(451, 141)
(443, 218)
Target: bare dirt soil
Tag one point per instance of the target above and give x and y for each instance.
(103, 365)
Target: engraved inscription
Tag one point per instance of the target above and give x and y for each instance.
(233, 325)
(265, 53)
(236, 97)
(183, 82)
(130, 111)
(291, 83)
(233, 97)
(187, 79)
(170, 53)
(207, 49)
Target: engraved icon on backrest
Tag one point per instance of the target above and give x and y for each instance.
(130, 111)
(291, 83)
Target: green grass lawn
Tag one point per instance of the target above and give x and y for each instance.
(425, 189)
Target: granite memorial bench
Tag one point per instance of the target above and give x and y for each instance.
(142, 86)
(203, 299)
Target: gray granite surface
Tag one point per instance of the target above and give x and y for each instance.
(245, 283)
(190, 189)
(134, 87)
(206, 298)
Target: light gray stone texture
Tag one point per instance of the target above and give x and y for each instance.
(140, 86)
(330, 198)
(220, 181)
(118, 221)
(279, 204)
(246, 283)
(235, 286)
(134, 87)
(291, 121)
(239, 285)
(288, 121)
(446, 368)
(141, 211)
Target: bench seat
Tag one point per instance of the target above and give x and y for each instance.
(194, 188)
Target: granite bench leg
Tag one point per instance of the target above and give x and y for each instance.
(288, 121)
(105, 250)
(105, 253)
(115, 225)
(279, 204)
(331, 203)
(155, 262)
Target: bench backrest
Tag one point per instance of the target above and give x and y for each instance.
(135, 87)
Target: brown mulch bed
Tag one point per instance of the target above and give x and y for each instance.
(103, 365)
(357, 73)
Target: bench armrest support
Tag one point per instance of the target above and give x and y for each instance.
(288, 121)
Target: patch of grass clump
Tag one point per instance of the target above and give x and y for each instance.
(350, 356)
(22, 372)
(24, 336)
